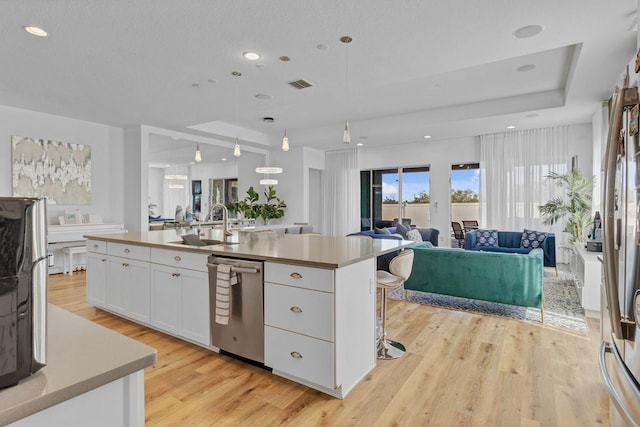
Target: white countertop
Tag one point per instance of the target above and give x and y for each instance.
(302, 249)
(81, 356)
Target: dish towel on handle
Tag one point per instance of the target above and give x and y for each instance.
(225, 278)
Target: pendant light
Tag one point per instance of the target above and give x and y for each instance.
(236, 147)
(285, 138)
(198, 154)
(268, 170)
(285, 141)
(346, 137)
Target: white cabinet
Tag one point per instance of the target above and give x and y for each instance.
(163, 288)
(319, 324)
(128, 290)
(194, 307)
(97, 274)
(164, 298)
(588, 270)
(180, 297)
(128, 280)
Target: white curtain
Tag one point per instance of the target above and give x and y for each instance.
(513, 170)
(341, 193)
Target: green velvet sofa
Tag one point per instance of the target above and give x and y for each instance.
(508, 278)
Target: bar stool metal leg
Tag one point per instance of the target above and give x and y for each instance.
(386, 348)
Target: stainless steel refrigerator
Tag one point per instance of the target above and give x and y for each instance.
(23, 288)
(620, 349)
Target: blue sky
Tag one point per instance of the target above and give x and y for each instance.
(415, 182)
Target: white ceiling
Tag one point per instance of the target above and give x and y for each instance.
(415, 67)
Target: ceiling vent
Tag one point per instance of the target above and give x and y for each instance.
(300, 84)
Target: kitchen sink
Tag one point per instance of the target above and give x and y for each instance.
(205, 242)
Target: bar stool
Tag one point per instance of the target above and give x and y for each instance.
(400, 267)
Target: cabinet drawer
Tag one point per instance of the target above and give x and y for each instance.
(173, 258)
(299, 310)
(141, 253)
(304, 357)
(303, 277)
(97, 246)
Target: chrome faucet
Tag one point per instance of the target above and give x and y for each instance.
(225, 219)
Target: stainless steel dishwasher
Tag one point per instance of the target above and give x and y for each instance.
(243, 335)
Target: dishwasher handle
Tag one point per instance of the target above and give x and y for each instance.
(238, 269)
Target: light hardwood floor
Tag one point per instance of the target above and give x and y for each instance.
(461, 369)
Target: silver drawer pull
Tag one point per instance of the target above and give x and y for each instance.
(296, 309)
(296, 275)
(175, 274)
(124, 264)
(296, 355)
(177, 258)
(126, 251)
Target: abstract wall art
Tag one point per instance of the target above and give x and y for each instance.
(59, 171)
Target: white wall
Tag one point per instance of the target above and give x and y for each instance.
(107, 174)
(156, 184)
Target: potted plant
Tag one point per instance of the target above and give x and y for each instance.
(250, 206)
(575, 206)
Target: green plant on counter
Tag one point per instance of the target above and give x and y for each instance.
(250, 207)
(575, 206)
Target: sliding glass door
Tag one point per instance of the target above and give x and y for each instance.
(390, 194)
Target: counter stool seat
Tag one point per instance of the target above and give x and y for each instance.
(400, 267)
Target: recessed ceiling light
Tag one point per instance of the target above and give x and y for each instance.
(528, 31)
(264, 96)
(36, 31)
(224, 159)
(251, 55)
(427, 136)
(511, 127)
(236, 73)
(526, 67)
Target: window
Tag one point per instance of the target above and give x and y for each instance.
(465, 187)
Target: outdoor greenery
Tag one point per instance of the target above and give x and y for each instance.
(464, 196)
(575, 206)
(457, 196)
(251, 208)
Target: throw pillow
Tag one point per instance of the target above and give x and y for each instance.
(402, 229)
(384, 231)
(487, 238)
(532, 239)
(414, 235)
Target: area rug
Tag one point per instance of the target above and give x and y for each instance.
(562, 306)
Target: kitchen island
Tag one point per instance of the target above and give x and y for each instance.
(93, 376)
(319, 295)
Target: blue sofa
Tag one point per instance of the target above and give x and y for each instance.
(509, 242)
(428, 235)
